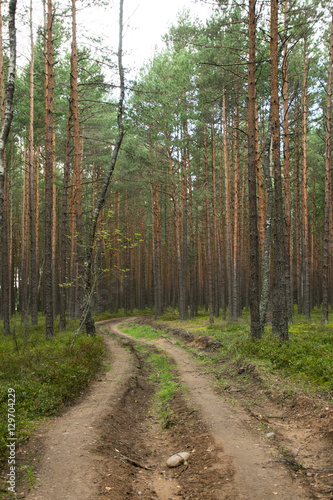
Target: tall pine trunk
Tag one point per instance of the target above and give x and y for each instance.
(254, 290)
(279, 310)
(266, 281)
(298, 219)
(236, 203)
(286, 168)
(328, 174)
(208, 239)
(215, 239)
(64, 225)
(181, 287)
(228, 212)
(48, 274)
(33, 246)
(306, 249)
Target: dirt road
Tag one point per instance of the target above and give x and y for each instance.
(111, 445)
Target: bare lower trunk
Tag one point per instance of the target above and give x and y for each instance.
(252, 177)
(64, 226)
(306, 249)
(279, 310)
(235, 285)
(265, 289)
(48, 275)
(33, 246)
(286, 169)
(298, 219)
(228, 212)
(209, 244)
(328, 201)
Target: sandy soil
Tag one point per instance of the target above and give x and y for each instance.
(111, 444)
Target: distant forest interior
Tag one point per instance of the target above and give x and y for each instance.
(204, 182)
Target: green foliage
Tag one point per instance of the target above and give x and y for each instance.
(307, 357)
(169, 315)
(45, 374)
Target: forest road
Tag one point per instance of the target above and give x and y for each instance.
(69, 468)
(111, 445)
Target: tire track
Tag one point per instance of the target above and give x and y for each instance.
(259, 474)
(69, 468)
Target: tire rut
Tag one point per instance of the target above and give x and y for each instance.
(68, 469)
(111, 444)
(259, 472)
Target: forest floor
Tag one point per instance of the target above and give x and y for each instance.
(246, 440)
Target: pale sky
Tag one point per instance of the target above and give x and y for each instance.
(151, 19)
(145, 22)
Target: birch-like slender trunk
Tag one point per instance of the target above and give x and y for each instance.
(4, 133)
(88, 317)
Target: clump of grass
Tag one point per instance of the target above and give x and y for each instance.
(162, 371)
(139, 331)
(29, 475)
(45, 374)
(163, 376)
(169, 315)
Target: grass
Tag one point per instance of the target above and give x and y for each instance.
(29, 476)
(306, 359)
(164, 377)
(45, 374)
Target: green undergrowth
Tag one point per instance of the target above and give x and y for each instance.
(45, 374)
(307, 358)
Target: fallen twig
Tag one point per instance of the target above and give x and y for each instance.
(135, 463)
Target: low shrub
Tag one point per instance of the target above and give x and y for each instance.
(45, 374)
